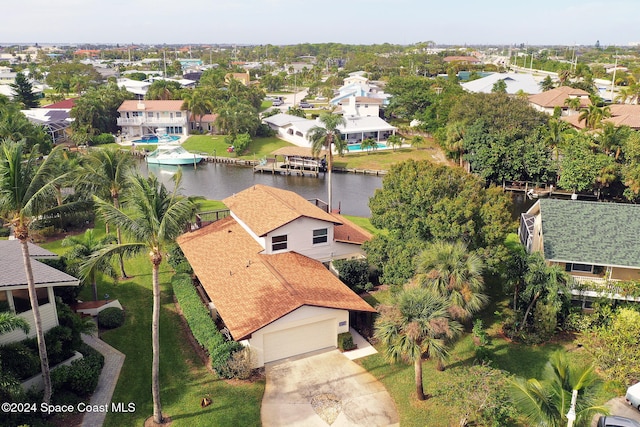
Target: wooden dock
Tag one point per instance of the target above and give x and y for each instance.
(286, 169)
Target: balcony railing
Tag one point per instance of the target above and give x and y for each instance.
(608, 288)
(137, 121)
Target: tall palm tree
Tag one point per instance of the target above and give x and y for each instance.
(27, 191)
(612, 137)
(594, 115)
(197, 104)
(325, 137)
(573, 103)
(81, 248)
(153, 218)
(454, 141)
(545, 403)
(104, 172)
(449, 270)
(418, 323)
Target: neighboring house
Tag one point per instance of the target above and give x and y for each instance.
(290, 128)
(14, 294)
(515, 83)
(139, 118)
(262, 269)
(362, 106)
(243, 78)
(296, 129)
(595, 242)
(356, 84)
(547, 101)
(54, 120)
(137, 87)
(621, 115)
(206, 123)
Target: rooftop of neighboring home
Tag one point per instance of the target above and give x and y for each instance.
(12, 267)
(157, 105)
(515, 83)
(67, 104)
(556, 97)
(621, 115)
(591, 232)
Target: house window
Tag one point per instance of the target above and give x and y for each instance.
(21, 299)
(582, 268)
(178, 114)
(320, 236)
(279, 243)
(150, 115)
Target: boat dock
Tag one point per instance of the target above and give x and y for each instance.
(285, 168)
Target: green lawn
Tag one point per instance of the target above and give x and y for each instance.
(384, 159)
(184, 379)
(215, 145)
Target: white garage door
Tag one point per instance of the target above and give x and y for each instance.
(299, 340)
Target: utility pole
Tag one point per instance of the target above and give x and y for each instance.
(613, 78)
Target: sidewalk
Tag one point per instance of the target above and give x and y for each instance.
(363, 347)
(113, 361)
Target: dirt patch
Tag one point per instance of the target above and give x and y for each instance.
(150, 423)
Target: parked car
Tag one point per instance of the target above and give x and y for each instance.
(305, 104)
(633, 396)
(277, 103)
(615, 421)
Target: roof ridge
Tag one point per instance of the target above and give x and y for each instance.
(278, 276)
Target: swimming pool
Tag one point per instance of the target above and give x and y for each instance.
(357, 147)
(153, 139)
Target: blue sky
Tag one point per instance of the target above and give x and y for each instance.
(566, 22)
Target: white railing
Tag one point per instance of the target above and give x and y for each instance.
(137, 121)
(601, 281)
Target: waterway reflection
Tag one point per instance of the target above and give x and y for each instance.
(216, 181)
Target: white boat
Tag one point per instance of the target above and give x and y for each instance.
(173, 155)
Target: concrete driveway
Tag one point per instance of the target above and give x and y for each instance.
(324, 388)
(620, 407)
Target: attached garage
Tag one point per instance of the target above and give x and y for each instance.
(301, 339)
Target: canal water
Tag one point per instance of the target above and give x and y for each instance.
(351, 192)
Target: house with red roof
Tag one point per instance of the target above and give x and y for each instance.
(263, 270)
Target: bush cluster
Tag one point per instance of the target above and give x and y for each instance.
(81, 377)
(111, 318)
(205, 332)
(103, 138)
(178, 261)
(354, 273)
(19, 360)
(345, 341)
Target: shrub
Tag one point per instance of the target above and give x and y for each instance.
(345, 341)
(4, 232)
(59, 340)
(83, 377)
(20, 360)
(177, 260)
(221, 355)
(354, 273)
(205, 331)
(111, 318)
(240, 364)
(103, 138)
(241, 143)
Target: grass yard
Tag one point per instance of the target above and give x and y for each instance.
(384, 159)
(215, 145)
(184, 380)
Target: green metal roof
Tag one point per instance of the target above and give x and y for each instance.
(591, 232)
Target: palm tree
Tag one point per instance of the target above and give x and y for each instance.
(542, 280)
(153, 218)
(545, 403)
(394, 141)
(417, 141)
(449, 270)
(369, 144)
(417, 324)
(454, 142)
(81, 248)
(325, 137)
(26, 191)
(104, 173)
(612, 138)
(594, 115)
(573, 103)
(197, 104)
(10, 321)
(546, 84)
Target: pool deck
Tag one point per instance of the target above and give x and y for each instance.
(130, 142)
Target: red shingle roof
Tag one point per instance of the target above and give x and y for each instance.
(556, 97)
(349, 232)
(251, 290)
(264, 209)
(67, 104)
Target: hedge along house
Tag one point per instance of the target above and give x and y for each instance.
(262, 269)
(14, 293)
(596, 243)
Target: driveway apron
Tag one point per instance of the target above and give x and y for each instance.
(324, 388)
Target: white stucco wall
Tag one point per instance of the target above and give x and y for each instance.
(302, 316)
(300, 238)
